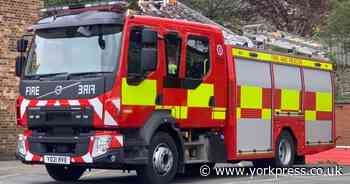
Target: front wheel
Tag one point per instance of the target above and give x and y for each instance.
(65, 173)
(163, 160)
(285, 150)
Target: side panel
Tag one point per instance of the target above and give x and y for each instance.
(318, 107)
(287, 98)
(253, 106)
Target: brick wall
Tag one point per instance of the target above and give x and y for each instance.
(15, 17)
(343, 124)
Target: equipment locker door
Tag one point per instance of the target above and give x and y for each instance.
(254, 128)
(318, 102)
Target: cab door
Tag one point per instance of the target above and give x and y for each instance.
(205, 90)
(174, 96)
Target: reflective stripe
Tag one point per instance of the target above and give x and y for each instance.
(87, 158)
(310, 115)
(24, 106)
(290, 99)
(324, 101)
(251, 97)
(74, 102)
(109, 120)
(143, 94)
(120, 139)
(276, 58)
(266, 114)
(41, 103)
(238, 113)
(178, 112)
(200, 96)
(98, 106)
(183, 112)
(219, 115)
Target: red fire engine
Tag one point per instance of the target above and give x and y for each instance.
(100, 89)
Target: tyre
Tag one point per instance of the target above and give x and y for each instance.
(163, 160)
(65, 173)
(285, 150)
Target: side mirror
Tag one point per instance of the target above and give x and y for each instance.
(148, 59)
(22, 45)
(149, 37)
(20, 61)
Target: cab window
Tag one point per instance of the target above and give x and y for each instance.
(136, 45)
(173, 54)
(197, 57)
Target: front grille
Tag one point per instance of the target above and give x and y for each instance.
(67, 146)
(58, 116)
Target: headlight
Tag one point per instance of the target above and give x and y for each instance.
(21, 144)
(101, 145)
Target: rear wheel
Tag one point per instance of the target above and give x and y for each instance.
(65, 173)
(163, 160)
(285, 150)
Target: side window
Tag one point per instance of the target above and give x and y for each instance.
(173, 54)
(197, 57)
(140, 46)
(135, 46)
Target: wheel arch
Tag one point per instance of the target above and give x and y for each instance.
(161, 120)
(291, 133)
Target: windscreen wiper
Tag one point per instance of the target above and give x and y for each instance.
(87, 74)
(40, 76)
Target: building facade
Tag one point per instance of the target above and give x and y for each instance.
(15, 17)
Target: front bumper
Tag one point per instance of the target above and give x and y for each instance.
(33, 150)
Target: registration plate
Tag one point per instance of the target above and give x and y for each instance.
(57, 160)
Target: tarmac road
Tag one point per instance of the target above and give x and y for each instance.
(16, 173)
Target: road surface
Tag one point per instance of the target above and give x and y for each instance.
(16, 173)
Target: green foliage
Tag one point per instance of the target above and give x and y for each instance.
(224, 12)
(339, 20)
(133, 4)
(337, 31)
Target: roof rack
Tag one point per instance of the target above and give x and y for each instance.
(61, 7)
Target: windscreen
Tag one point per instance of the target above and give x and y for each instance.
(75, 50)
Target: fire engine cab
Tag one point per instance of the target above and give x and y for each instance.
(106, 90)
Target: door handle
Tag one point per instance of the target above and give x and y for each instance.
(212, 102)
(159, 99)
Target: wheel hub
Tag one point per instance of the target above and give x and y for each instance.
(163, 159)
(285, 152)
